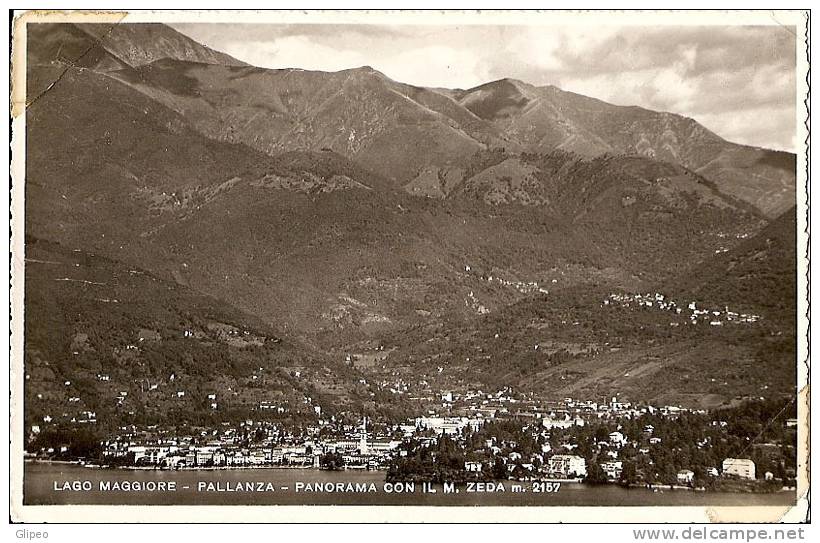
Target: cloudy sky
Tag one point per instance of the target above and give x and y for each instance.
(737, 81)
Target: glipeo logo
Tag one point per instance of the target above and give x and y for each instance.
(29, 534)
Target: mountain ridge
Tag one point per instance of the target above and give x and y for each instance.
(399, 130)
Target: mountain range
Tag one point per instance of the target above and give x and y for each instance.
(346, 212)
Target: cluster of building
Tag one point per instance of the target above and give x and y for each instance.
(253, 444)
(456, 414)
(564, 413)
(524, 287)
(541, 417)
(260, 443)
(741, 468)
(695, 314)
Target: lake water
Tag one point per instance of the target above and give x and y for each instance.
(290, 487)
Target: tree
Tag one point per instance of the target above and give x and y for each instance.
(629, 474)
(332, 461)
(595, 474)
(499, 469)
(601, 434)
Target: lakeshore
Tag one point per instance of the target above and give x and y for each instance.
(310, 486)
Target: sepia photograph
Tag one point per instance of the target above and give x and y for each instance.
(495, 266)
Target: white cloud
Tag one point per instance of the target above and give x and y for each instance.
(663, 89)
(443, 67)
(762, 127)
(296, 52)
(538, 47)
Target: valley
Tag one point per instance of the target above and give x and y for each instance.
(291, 245)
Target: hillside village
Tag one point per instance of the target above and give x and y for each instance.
(714, 317)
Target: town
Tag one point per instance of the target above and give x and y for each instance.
(483, 436)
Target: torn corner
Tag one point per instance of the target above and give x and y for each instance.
(19, 39)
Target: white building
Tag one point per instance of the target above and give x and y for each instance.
(614, 469)
(739, 467)
(558, 421)
(617, 439)
(567, 465)
(473, 467)
(686, 476)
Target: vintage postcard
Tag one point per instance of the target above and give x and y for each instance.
(400, 266)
